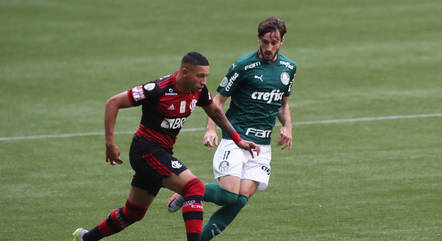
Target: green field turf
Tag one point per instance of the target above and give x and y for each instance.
(361, 181)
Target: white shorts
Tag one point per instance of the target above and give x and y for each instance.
(230, 160)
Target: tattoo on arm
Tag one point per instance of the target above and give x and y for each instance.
(221, 120)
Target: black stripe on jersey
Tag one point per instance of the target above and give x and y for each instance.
(163, 83)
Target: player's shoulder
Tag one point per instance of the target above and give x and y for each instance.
(162, 85)
(283, 60)
(242, 62)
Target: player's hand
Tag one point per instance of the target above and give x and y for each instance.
(250, 146)
(113, 154)
(286, 138)
(210, 139)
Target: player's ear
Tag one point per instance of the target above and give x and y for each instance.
(282, 40)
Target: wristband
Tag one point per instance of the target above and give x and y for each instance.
(235, 137)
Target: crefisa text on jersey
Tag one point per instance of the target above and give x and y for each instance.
(275, 95)
(231, 80)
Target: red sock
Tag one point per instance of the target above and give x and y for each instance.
(193, 193)
(120, 218)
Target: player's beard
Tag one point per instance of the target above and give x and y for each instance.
(264, 53)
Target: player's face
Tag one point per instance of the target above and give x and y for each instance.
(195, 77)
(269, 45)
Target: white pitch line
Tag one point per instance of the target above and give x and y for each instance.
(318, 122)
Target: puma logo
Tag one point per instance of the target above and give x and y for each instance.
(259, 77)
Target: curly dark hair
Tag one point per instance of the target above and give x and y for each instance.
(272, 24)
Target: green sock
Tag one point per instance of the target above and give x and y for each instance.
(220, 196)
(222, 217)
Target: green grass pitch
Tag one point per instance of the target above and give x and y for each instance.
(362, 181)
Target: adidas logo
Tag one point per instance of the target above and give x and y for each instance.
(171, 107)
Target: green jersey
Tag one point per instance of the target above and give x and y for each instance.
(256, 88)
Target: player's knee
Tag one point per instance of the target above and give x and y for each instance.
(134, 213)
(193, 187)
(241, 201)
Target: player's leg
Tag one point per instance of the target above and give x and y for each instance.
(134, 210)
(219, 221)
(145, 185)
(248, 187)
(192, 191)
(227, 166)
(223, 193)
(254, 176)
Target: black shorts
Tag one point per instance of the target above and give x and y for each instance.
(151, 163)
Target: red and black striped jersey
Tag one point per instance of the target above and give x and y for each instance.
(165, 108)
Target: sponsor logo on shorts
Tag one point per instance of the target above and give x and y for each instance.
(258, 133)
(173, 123)
(266, 170)
(176, 164)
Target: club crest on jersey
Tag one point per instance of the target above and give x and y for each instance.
(192, 105)
(285, 78)
(173, 123)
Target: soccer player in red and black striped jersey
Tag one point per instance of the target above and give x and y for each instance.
(166, 103)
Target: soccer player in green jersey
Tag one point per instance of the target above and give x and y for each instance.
(259, 84)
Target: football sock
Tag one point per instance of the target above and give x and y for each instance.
(118, 220)
(222, 217)
(193, 192)
(218, 195)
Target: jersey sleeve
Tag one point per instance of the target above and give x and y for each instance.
(292, 80)
(230, 81)
(146, 93)
(205, 97)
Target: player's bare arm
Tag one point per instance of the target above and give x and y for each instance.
(286, 121)
(210, 137)
(217, 115)
(110, 117)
